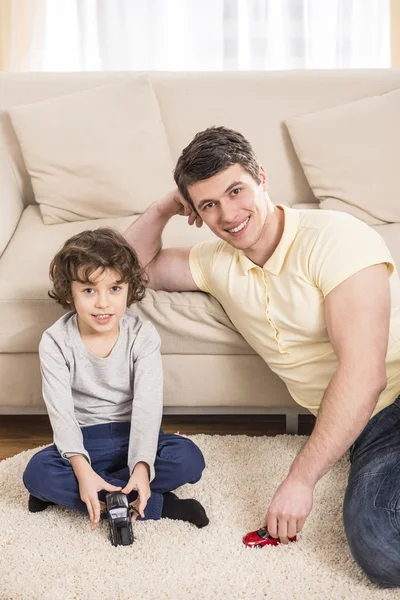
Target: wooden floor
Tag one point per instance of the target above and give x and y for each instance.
(18, 433)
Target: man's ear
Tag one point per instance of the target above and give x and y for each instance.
(263, 177)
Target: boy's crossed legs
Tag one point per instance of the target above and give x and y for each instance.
(50, 478)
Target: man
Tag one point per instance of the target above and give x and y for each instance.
(317, 295)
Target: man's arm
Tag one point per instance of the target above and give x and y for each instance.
(166, 269)
(357, 316)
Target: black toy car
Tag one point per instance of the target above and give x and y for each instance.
(117, 506)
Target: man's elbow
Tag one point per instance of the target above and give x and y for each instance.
(372, 379)
(151, 274)
(376, 383)
(382, 383)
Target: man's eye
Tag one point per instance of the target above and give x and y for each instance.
(236, 191)
(209, 205)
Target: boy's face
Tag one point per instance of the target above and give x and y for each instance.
(100, 303)
(233, 205)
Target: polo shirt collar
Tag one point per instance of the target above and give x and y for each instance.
(275, 263)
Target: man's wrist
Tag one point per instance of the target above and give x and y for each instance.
(301, 472)
(166, 207)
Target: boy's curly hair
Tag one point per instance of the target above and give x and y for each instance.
(85, 253)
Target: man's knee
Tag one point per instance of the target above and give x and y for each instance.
(373, 537)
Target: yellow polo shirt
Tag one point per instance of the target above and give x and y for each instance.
(279, 308)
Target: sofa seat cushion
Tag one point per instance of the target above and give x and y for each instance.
(201, 383)
(189, 323)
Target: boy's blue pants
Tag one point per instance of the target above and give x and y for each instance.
(50, 477)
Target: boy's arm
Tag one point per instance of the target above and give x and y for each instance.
(166, 269)
(147, 399)
(80, 466)
(56, 390)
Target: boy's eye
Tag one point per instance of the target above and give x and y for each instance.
(88, 290)
(116, 288)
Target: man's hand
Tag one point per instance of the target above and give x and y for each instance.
(139, 481)
(89, 486)
(289, 509)
(175, 204)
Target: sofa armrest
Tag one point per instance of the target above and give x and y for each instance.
(11, 203)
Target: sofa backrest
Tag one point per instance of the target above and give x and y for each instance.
(254, 103)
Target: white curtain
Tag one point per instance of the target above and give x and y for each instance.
(208, 35)
(22, 28)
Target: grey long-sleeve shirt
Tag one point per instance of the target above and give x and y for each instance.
(82, 389)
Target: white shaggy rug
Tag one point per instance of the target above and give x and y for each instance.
(54, 555)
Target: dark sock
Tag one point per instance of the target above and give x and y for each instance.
(37, 505)
(184, 510)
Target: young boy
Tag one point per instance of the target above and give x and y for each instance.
(103, 387)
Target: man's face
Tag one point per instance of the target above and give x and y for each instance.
(100, 303)
(233, 205)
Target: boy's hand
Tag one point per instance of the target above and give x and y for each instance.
(139, 481)
(89, 486)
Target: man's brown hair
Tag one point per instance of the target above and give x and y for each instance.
(210, 152)
(85, 253)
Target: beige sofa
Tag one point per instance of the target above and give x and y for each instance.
(209, 368)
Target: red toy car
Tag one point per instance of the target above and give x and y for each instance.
(261, 538)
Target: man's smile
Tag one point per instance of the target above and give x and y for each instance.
(239, 227)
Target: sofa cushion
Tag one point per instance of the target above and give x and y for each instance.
(215, 98)
(350, 156)
(200, 383)
(189, 323)
(97, 153)
(11, 201)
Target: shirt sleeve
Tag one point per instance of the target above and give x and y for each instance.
(201, 261)
(344, 248)
(57, 394)
(147, 402)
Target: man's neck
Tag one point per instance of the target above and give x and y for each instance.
(269, 239)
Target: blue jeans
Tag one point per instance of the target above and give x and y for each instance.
(371, 509)
(50, 477)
